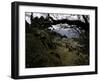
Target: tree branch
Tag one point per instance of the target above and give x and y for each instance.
(70, 22)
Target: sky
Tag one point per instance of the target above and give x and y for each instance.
(54, 16)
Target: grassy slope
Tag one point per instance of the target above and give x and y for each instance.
(39, 55)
